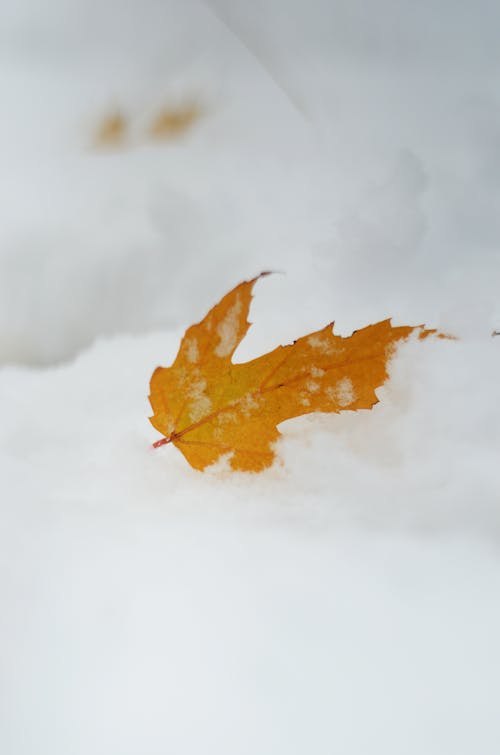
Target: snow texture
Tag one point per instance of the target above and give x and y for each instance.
(346, 600)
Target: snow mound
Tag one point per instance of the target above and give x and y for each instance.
(316, 606)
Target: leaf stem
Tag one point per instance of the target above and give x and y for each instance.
(161, 442)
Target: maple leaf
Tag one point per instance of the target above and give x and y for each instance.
(171, 122)
(209, 407)
(111, 131)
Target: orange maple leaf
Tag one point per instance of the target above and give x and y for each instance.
(209, 407)
(173, 121)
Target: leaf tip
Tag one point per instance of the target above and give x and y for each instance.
(426, 332)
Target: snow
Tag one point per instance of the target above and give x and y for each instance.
(227, 330)
(345, 600)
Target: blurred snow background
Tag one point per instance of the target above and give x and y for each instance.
(347, 599)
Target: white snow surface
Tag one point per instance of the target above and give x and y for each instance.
(346, 600)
